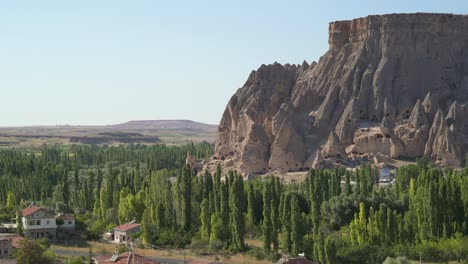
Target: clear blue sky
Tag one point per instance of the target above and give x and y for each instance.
(105, 62)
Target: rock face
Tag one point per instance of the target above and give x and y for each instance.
(392, 84)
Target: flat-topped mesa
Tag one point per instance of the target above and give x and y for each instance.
(346, 31)
(378, 89)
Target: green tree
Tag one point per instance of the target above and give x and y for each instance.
(31, 252)
(10, 201)
(187, 198)
(205, 217)
(348, 189)
(251, 204)
(330, 251)
(296, 232)
(236, 215)
(267, 227)
(286, 222)
(147, 228)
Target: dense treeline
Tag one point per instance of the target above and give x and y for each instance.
(34, 176)
(334, 216)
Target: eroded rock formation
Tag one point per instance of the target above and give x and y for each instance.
(392, 84)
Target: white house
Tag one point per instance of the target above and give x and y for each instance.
(123, 233)
(38, 223)
(68, 222)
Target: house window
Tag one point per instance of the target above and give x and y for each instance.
(69, 222)
(48, 222)
(38, 222)
(31, 222)
(5, 251)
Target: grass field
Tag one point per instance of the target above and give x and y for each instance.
(108, 248)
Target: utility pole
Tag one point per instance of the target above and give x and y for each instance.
(420, 257)
(133, 252)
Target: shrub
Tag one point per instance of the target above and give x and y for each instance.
(257, 253)
(217, 245)
(368, 254)
(44, 242)
(398, 260)
(122, 248)
(96, 229)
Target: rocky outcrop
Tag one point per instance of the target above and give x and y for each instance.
(387, 84)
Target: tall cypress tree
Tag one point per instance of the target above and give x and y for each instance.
(286, 222)
(187, 197)
(348, 189)
(217, 188)
(267, 227)
(251, 204)
(275, 221)
(236, 214)
(224, 204)
(330, 251)
(296, 232)
(205, 217)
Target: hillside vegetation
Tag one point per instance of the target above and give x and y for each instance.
(325, 216)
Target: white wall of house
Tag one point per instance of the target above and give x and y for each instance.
(120, 236)
(39, 220)
(125, 236)
(34, 223)
(68, 224)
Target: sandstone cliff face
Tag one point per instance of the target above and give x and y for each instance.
(394, 84)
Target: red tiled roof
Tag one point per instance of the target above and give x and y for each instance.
(30, 210)
(13, 239)
(124, 258)
(126, 227)
(66, 217)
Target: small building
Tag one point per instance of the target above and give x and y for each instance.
(68, 221)
(123, 233)
(6, 245)
(38, 223)
(124, 258)
(9, 227)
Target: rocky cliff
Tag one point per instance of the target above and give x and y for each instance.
(391, 84)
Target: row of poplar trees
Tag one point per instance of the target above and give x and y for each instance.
(320, 216)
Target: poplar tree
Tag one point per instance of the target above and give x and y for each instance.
(296, 232)
(330, 251)
(286, 222)
(251, 205)
(186, 197)
(267, 227)
(348, 189)
(236, 215)
(205, 218)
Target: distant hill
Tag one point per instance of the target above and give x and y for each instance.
(138, 132)
(166, 124)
